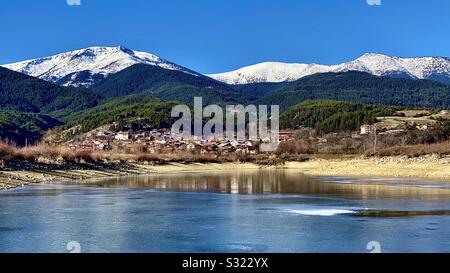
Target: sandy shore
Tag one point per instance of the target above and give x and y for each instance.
(424, 167)
(39, 173)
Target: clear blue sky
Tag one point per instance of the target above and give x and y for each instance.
(219, 35)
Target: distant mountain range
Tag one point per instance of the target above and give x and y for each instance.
(431, 68)
(88, 66)
(102, 85)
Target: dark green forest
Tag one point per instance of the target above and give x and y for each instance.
(20, 127)
(364, 88)
(143, 95)
(131, 112)
(333, 116)
(167, 85)
(28, 94)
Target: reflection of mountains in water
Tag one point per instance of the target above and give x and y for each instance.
(277, 182)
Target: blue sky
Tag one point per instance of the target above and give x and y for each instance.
(212, 36)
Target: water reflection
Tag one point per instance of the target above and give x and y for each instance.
(273, 211)
(283, 182)
(401, 213)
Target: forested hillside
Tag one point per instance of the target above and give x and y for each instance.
(166, 84)
(133, 111)
(22, 128)
(364, 88)
(24, 93)
(333, 116)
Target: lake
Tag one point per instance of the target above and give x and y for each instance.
(228, 211)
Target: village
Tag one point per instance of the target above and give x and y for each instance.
(163, 141)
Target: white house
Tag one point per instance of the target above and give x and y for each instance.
(122, 136)
(367, 129)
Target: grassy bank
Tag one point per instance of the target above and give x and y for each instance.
(58, 154)
(395, 167)
(18, 173)
(439, 149)
(46, 163)
(43, 163)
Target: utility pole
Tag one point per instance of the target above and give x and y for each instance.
(375, 140)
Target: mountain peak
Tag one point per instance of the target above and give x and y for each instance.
(269, 72)
(121, 47)
(125, 50)
(434, 68)
(371, 55)
(86, 66)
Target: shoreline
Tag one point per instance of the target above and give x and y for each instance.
(431, 167)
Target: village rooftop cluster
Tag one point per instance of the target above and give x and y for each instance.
(164, 141)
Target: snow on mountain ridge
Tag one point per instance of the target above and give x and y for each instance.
(95, 62)
(269, 72)
(375, 64)
(87, 66)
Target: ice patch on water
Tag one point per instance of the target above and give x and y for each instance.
(322, 212)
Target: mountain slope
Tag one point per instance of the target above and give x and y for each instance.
(87, 66)
(432, 68)
(333, 116)
(23, 127)
(165, 84)
(24, 93)
(253, 91)
(361, 87)
(132, 110)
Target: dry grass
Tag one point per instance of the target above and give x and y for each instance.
(7, 152)
(440, 149)
(54, 154)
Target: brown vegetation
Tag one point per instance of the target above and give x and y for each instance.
(441, 149)
(57, 154)
(411, 142)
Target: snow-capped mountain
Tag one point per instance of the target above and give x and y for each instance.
(433, 68)
(86, 66)
(269, 72)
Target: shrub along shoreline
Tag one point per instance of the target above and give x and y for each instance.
(49, 163)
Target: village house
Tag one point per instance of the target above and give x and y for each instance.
(367, 129)
(125, 135)
(286, 136)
